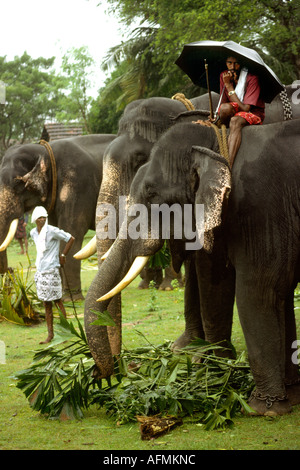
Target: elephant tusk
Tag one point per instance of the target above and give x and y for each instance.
(136, 267)
(11, 233)
(88, 250)
(103, 257)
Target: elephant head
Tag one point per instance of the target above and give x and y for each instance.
(24, 179)
(184, 172)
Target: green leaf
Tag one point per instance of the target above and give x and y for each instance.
(104, 319)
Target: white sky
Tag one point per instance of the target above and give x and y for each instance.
(46, 28)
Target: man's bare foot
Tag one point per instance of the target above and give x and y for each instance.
(48, 340)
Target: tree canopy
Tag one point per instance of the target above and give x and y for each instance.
(76, 65)
(271, 27)
(143, 65)
(32, 94)
(147, 60)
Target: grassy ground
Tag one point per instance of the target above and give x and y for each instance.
(23, 429)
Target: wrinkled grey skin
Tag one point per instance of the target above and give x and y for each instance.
(142, 124)
(79, 174)
(261, 227)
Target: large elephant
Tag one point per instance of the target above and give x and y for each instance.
(141, 125)
(28, 178)
(143, 122)
(261, 226)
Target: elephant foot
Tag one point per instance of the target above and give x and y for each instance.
(67, 297)
(293, 393)
(184, 340)
(103, 372)
(268, 405)
(143, 284)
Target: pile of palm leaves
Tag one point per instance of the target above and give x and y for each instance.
(150, 380)
(158, 382)
(18, 299)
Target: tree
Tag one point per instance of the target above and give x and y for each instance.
(278, 29)
(32, 96)
(105, 111)
(269, 26)
(77, 65)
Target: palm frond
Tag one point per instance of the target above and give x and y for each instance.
(19, 302)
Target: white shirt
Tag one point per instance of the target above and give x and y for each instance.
(54, 236)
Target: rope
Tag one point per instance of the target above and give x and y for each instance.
(187, 103)
(54, 173)
(222, 140)
(220, 133)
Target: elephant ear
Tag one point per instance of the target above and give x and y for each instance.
(37, 179)
(214, 185)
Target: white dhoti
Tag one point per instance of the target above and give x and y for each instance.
(48, 285)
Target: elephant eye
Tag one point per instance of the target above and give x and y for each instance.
(150, 190)
(138, 160)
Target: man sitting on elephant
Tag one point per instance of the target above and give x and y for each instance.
(241, 103)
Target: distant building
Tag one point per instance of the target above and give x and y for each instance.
(56, 131)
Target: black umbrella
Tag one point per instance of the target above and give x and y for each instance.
(192, 62)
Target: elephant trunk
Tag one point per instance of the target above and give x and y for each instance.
(110, 272)
(10, 211)
(111, 187)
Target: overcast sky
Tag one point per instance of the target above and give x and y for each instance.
(46, 28)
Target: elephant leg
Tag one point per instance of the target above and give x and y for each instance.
(292, 378)
(170, 276)
(217, 296)
(262, 317)
(192, 314)
(150, 274)
(71, 275)
(3, 262)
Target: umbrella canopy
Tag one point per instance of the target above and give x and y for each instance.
(192, 58)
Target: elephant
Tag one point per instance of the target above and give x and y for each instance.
(142, 123)
(254, 212)
(26, 180)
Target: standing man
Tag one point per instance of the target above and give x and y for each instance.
(47, 239)
(241, 103)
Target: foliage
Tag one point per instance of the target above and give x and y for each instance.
(161, 382)
(104, 114)
(104, 118)
(153, 304)
(269, 26)
(277, 27)
(162, 258)
(148, 380)
(32, 92)
(59, 379)
(19, 303)
(77, 64)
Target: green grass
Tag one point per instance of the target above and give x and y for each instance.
(21, 428)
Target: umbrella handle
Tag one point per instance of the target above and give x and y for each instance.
(209, 92)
